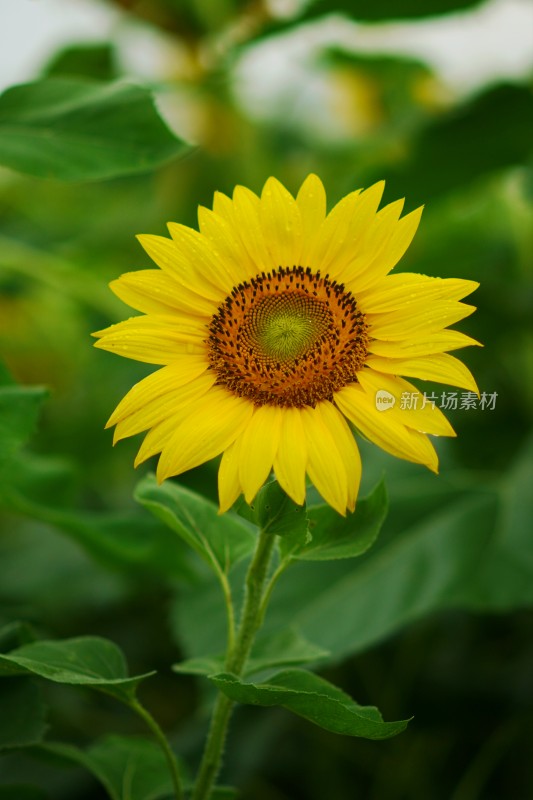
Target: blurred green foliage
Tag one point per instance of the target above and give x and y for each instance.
(434, 621)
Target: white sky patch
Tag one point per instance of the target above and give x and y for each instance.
(31, 31)
(467, 50)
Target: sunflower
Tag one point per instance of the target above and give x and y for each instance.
(278, 327)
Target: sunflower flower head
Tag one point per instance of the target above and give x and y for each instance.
(277, 327)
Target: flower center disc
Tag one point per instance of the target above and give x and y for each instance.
(287, 338)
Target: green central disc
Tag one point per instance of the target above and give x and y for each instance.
(285, 326)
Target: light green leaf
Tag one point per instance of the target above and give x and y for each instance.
(333, 536)
(314, 699)
(74, 130)
(84, 661)
(279, 649)
(23, 717)
(220, 540)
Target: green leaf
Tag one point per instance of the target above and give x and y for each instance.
(135, 762)
(220, 540)
(415, 574)
(15, 634)
(314, 699)
(279, 649)
(74, 130)
(504, 579)
(20, 792)
(124, 542)
(449, 152)
(23, 717)
(118, 761)
(386, 9)
(275, 512)
(84, 661)
(19, 412)
(94, 61)
(333, 536)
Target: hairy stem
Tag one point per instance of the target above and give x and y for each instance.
(251, 619)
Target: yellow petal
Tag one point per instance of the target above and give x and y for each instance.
(209, 263)
(259, 443)
(154, 292)
(440, 367)
(373, 242)
(223, 206)
(155, 440)
(387, 433)
(169, 405)
(395, 247)
(229, 487)
(342, 230)
(164, 380)
(166, 255)
(346, 446)
(324, 464)
(290, 461)
(408, 408)
(154, 339)
(246, 210)
(225, 240)
(417, 320)
(213, 423)
(403, 289)
(437, 342)
(311, 200)
(281, 223)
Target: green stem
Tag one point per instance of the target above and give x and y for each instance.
(163, 743)
(251, 619)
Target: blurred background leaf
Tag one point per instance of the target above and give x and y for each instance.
(75, 130)
(434, 621)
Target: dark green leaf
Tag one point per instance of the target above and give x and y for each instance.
(449, 152)
(15, 634)
(84, 661)
(222, 540)
(275, 512)
(133, 761)
(23, 717)
(314, 699)
(20, 792)
(117, 761)
(346, 611)
(19, 412)
(95, 61)
(333, 536)
(75, 130)
(132, 542)
(386, 9)
(283, 649)
(504, 579)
